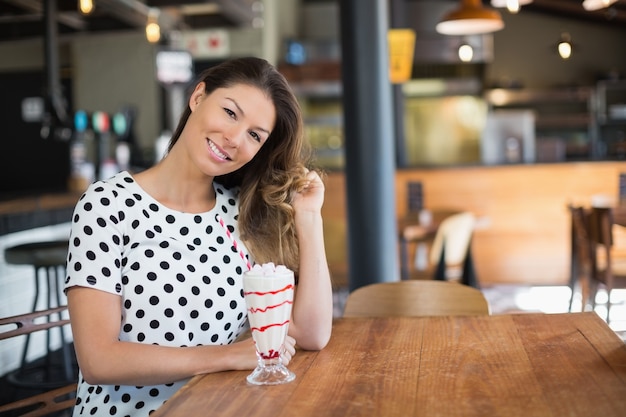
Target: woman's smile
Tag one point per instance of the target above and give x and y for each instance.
(221, 155)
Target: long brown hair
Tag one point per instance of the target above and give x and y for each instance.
(267, 182)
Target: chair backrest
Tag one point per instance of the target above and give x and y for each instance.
(601, 238)
(580, 236)
(50, 401)
(600, 226)
(415, 298)
(30, 323)
(455, 234)
(451, 249)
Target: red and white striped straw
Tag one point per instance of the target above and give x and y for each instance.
(234, 241)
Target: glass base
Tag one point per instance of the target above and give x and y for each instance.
(271, 374)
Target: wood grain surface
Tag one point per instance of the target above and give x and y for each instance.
(509, 365)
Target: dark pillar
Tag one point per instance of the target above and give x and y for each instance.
(369, 145)
(53, 79)
(56, 118)
(399, 21)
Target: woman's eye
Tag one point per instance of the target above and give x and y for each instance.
(255, 136)
(230, 112)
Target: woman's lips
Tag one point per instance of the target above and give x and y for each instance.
(217, 151)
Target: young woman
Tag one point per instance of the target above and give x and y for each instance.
(154, 281)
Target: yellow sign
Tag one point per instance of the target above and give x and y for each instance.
(401, 50)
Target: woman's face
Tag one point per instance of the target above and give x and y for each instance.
(227, 128)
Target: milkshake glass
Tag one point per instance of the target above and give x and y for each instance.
(268, 291)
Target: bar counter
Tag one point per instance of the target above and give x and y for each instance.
(28, 212)
(523, 230)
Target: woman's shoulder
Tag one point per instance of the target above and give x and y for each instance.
(227, 200)
(223, 191)
(104, 191)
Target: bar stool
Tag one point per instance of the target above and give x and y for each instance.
(48, 259)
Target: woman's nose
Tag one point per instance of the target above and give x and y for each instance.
(235, 135)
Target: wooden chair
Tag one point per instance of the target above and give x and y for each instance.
(415, 298)
(606, 270)
(451, 251)
(48, 261)
(51, 401)
(581, 256)
(450, 256)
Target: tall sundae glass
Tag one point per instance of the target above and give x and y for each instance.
(268, 291)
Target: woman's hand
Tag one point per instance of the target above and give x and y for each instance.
(289, 350)
(312, 312)
(311, 197)
(246, 358)
(105, 359)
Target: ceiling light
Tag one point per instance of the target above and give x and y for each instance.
(470, 18)
(591, 5)
(85, 6)
(153, 30)
(564, 47)
(466, 52)
(513, 6)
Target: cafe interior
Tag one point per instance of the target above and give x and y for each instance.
(478, 143)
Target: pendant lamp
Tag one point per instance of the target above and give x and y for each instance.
(564, 47)
(591, 5)
(85, 6)
(470, 18)
(513, 6)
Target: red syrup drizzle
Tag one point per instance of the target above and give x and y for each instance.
(264, 328)
(263, 310)
(288, 287)
(272, 354)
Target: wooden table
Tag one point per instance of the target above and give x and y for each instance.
(510, 365)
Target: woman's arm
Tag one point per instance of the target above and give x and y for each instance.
(311, 324)
(104, 359)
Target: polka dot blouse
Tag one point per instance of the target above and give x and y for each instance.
(178, 275)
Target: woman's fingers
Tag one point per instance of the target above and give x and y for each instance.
(289, 349)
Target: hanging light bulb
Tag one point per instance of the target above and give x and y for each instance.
(470, 18)
(513, 6)
(153, 31)
(591, 5)
(85, 6)
(466, 52)
(565, 46)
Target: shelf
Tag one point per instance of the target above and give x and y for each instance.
(565, 121)
(318, 89)
(500, 97)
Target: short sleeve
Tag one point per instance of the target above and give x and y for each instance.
(96, 241)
